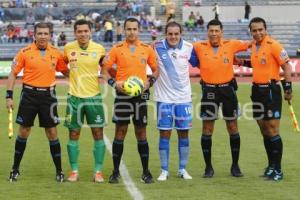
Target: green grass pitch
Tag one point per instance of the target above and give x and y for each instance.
(37, 170)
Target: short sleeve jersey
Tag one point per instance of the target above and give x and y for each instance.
(84, 68)
(173, 83)
(266, 60)
(131, 60)
(39, 66)
(217, 67)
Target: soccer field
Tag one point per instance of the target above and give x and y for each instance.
(37, 170)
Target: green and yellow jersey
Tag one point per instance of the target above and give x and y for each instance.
(84, 68)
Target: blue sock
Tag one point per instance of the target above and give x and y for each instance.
(164, 153)
(183, 150)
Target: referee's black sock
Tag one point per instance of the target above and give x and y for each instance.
(20, 146)
(143, 149)
(276, 146)
(235, 142)
(56, 154)
(117, 150)
(267, 144)
(206, 142)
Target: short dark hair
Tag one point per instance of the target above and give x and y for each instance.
(131, 19)
(173, 24)
(257, 20)
(42, 25)
(82, 22)
(215, 22)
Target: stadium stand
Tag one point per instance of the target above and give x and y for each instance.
(287, 33)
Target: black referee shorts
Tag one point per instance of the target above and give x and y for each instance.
(126, 107)
(215, 96)
(38, 102)
(267, 101)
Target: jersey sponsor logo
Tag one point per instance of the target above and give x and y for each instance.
(164, 56)
(284, 55)
(226, 60)
(94, 55)
(183, 56)
(84, 54)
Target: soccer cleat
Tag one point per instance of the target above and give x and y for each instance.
(147, 177)
(208, 172)
(13, 175)
(164, 175)
(114, 177)
(182, 173)
(236, 171)
(74, 176)
(98, 177)
(277, 175)
(268, 172)
(60, 177)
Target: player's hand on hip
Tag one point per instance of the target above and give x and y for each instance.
(9, 104)
(288, 96)
(120, 86)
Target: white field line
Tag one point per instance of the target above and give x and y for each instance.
(130, 186)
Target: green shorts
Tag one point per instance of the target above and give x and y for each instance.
(90, 107)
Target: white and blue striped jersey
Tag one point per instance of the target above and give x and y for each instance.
(173, 83)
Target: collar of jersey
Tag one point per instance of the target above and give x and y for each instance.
(35, 47)
(220, 44)
(137, 43)
(179, 46)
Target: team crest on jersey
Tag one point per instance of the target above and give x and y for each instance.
(174, 55)
(226, 60)
(263, 61)
(73, 54)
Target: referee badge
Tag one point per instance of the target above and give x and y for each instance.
(143, 60)
(263, 61)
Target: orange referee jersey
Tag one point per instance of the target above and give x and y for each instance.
(267, 59)
(131, 60)
(217, 67)
(38, 68)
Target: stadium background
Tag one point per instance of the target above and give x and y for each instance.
(37, 174)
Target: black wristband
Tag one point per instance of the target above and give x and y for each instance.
(287, 86)
(9, 94)
(151, 80)
(111, 82)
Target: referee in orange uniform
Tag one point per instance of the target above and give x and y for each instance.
(131, 58)
(39, 62)
(218, 90)
(267, 57)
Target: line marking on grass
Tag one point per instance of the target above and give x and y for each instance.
(135, 193)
